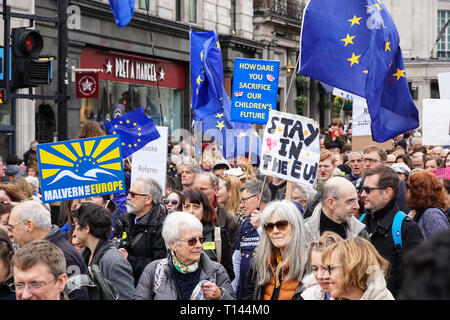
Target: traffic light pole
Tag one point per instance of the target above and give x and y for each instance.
(63, 68)
(63, 74)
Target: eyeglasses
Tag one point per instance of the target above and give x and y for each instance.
(33, 286)
(330, 268)
(350, 202)
(371, 160)
(245, 199)
(369, 189)
(11, 228)
(280, 224)
(173, 202)
(134, 194)
(192, 242)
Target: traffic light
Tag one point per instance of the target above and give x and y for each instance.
(28, 70)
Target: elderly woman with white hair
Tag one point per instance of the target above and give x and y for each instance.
(279, 263)
(187, 273)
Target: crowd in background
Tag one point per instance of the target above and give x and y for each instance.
(221, 230)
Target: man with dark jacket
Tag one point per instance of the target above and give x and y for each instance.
(381, 185)
(143, 225)
(30, 221)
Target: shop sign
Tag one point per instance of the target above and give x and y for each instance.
(87, 85)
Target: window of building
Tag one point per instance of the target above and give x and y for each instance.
(143, 4)
(443, 45)
(434, 89)
(118, 98)
(193, 11)
(178, 10)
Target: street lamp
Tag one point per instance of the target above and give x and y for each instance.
(289, 68)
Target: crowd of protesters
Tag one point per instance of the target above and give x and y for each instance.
(222, 231)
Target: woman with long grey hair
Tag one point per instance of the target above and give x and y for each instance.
(279, 263)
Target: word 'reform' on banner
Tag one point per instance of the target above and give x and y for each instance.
(290, 148)
(255, 90)
(80, 168)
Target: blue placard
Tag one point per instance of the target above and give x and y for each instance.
(255, 89)
(80, 168)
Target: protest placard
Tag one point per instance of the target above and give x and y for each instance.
(255, 90)
(290, 148)
(80, 168)
(444, 85)
(151, 160)
(435, 122)
(442, 173)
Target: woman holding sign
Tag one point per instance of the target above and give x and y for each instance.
(279, 264)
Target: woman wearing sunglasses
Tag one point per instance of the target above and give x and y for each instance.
(357, 271)
(279, 263)
(173, 201)
(187, 273)
(217, 243)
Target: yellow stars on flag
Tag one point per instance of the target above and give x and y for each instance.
(242, 135)
(387, 46)
(219, 115)
(355, 20)
(353, 59)
(220, 125)
(348, 39)
(399, 74)
(201, 55)
(218, 45)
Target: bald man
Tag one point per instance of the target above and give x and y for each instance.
(336, 212)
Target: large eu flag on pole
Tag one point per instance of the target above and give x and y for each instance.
(135, 130)
(353, 45)
(206, 74)
(123, 11)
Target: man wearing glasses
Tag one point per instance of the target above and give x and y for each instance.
(143, 225)
(39, 272)
(255, 194)
(374, 157)
(381, 185)
(336, 212)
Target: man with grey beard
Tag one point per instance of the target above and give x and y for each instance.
(143, 225)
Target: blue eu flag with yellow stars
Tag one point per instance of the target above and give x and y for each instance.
(206, 74)
(123, 11)
(353, 45)
(135, 130)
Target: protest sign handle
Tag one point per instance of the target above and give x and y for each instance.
(260, 194)
(249, 163)
(288, 195)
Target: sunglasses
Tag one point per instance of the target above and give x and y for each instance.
(192, 242)
(280, 224)
(369, 189)
(133, 194)
(173, 202)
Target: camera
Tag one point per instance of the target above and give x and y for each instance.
(120, 243)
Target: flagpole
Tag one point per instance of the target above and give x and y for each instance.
(250, 149)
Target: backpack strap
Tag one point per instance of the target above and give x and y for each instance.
(218, 241)
(397, 229)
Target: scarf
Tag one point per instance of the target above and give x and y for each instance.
(181, 266)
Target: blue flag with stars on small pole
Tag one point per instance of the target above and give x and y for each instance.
(135, 130)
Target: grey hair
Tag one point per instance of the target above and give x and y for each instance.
(352, 153)
(254, 186)
(152, 188)
(306, 192)
(333, 188)
(194, 167)
(213, 180)
(35, 211)
(172, 225)
(295, 253)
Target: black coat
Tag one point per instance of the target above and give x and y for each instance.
(151, 245)
(74, 260)
(379, 227)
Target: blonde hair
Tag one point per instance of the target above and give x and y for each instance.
(233, 186)
(359, 260)
(327, 239)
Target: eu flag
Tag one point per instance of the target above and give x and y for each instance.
(135, 130)
(353, 45)
(206, 74)
(123, 11)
